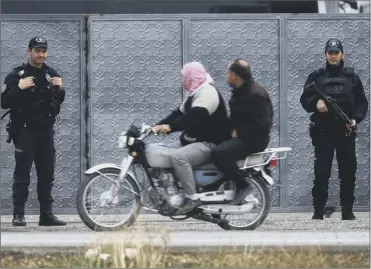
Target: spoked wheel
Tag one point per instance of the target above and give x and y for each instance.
(254, 218)
(102, 212)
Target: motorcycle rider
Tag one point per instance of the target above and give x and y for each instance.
(203, 120)
(251, 116)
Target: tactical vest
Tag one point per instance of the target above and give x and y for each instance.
(37, 104)
(338, 88)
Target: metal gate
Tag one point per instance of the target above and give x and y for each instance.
(120, 69)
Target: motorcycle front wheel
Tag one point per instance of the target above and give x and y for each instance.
(105, 178)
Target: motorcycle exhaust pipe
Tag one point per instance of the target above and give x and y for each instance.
(228, 209)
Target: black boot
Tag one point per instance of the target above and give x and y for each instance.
(346, 213)
(18, 220)
(317, 216)
(243, 189)
(348, 216)
(49, 219)
(319, 212)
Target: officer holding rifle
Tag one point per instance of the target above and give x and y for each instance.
(335, 96)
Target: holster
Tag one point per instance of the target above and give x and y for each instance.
(313, 133)
(55, 108)
(11, 129)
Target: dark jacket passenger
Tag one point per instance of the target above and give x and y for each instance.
(251, 113)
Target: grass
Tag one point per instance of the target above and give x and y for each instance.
(126, 252)
(150, 258)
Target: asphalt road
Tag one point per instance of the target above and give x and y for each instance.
(278, 231)
(274, 222)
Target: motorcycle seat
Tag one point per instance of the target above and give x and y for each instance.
(253, 159)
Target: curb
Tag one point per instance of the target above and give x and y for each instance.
(191, 241)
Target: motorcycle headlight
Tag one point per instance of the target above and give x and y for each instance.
(131, 141)
(122, 140)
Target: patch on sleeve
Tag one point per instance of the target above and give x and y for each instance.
(3, 88)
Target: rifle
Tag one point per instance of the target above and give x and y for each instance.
(6, 113)
(337, 109)
(8, 138)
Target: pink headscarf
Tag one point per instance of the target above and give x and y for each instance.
(194, 74)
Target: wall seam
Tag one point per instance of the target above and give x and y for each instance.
(87, 93)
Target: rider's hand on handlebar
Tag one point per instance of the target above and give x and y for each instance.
(162, 129)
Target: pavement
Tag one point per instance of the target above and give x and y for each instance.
(279, 230)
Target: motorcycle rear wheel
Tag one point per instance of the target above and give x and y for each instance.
(264, 191)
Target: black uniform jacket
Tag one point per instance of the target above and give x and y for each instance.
(355, 106)
(37, 106)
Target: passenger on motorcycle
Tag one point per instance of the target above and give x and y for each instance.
(251, 116)
(203, 120)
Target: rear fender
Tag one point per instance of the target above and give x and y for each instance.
(98, 167)
(267, 178)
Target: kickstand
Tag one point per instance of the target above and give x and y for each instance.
(329, 210)
(278, 183)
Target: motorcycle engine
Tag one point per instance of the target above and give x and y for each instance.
(170, 197)
(174, 198)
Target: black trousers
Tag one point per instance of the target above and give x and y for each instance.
(326, 140)
(226, 154)
(33, 146)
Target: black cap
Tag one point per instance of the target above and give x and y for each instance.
(333, 45)
(38, 42)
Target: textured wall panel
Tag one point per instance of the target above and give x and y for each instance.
(134, 74)
(135, 78)
(305, 52)
(217, 42)
(64, 39)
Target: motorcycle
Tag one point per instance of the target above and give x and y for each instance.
(165, 191)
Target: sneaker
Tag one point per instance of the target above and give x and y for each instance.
(18, 220)
(188, 206)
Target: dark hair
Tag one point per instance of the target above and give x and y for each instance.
(242, 69)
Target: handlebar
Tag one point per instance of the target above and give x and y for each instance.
(146, 131)
(145, 134)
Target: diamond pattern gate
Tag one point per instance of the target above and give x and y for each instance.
(128, 71)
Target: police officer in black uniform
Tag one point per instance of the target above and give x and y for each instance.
(34, 93)
(330, 130)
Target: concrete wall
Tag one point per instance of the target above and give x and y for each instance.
(119, 69)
